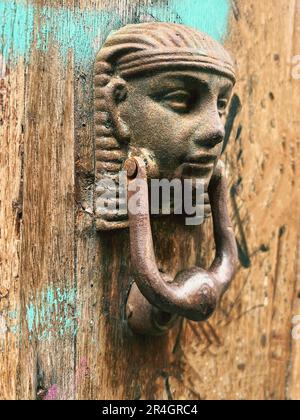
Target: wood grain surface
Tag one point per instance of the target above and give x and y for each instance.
(63, 333)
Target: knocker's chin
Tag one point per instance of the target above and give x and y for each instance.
(196, 173)
(188, 170)
(182, 192)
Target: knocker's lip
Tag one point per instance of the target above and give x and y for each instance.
(192, 169)
(201, 158)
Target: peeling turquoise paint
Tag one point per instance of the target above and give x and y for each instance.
(30, 315)
(69, 29)
(17, 21)
(12, 315)
(52, 314)
(84, 31)
(210, 16)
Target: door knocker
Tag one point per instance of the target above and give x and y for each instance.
(161, 92)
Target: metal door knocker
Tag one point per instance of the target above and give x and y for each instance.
(161, 91)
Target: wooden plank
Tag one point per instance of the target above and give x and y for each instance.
(48, 291)
(112, 363)
(293, 374)
(244, 352)
(11, 159)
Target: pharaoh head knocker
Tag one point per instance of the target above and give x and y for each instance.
(161, 91)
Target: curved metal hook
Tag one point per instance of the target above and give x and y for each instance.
(195, 292)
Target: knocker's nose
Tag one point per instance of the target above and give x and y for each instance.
(211, 135)
(217, 137)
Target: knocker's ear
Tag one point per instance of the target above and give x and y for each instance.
(115, 93)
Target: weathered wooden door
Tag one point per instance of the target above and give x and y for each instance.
(63, 332)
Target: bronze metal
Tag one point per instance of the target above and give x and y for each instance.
(161, 92)
(194, 293)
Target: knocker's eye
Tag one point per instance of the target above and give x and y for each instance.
(179, 101)
(222, 105)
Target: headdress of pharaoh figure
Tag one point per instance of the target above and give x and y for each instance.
(161, 91)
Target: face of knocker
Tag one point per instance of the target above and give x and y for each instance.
(178, 116)
(161, 91)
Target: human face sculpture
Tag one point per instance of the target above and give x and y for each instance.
(161, 92)
(178, 117)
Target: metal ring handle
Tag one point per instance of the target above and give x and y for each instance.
(195, 292)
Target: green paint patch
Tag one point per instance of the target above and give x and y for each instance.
(83, 31)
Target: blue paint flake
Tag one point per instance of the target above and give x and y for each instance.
(53, 314)
(30, 316)
(12, 315)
